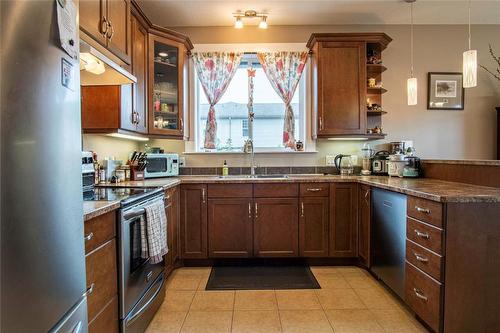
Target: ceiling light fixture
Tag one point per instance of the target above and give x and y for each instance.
(411, 83)
(470, 63)
(249, 14)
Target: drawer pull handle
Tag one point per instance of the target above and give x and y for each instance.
(249, 210)
(420, 258)
(89, 237)
(89, 290)
(256, 210)
(422, 234)
(423, 210)
(302, 209)
(313, 189)
(419, 294)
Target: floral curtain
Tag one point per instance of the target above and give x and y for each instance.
(284, 69)
(215, 70)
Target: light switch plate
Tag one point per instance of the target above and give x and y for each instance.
(330, 160)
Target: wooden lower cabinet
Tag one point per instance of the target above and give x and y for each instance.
(172, 213)
(230, 228)
(276, 227)
(107, 320)
(343, 220)
(313, 227)
(364, 225)
(193, 221)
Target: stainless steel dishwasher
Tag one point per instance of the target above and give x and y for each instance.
(389, 238)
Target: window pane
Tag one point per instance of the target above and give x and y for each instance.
(232, 113)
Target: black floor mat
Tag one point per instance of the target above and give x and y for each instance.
(261, 277)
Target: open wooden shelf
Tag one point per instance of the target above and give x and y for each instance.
(375, 113)
(376, 91)
(375, 136)
(165, 64)
(375, 68)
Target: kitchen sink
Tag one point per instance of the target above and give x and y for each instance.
(268, 176)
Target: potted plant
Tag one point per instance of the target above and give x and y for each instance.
(495, 73)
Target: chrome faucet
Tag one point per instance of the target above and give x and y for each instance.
(248, 148)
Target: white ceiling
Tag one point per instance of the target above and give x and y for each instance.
(172, 13)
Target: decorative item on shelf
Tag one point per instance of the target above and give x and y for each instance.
(299, 146)
(445, 91)
(377, 130)
(164, 107)
(249, 14)
(374, 107)
(372, 82)
(157, 102)
(374, 57)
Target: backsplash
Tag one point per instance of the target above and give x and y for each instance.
(271, 170)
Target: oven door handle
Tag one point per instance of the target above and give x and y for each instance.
(145, 306)
(133, 213)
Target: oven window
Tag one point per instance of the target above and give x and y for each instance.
(157, 165)
(135, 243)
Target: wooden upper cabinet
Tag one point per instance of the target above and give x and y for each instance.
(108, 22)
(339, 74)
(341, 88)
(92, 19)
(343, 219)
(276, 227)
(166, 86)
(139, 70)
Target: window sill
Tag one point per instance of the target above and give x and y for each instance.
(242, 153)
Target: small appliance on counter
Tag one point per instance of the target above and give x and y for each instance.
(161, 165)
(412, 167)
(88, 174)
(343, 163)
(367, 153)
(396, 164)
(400, 146)
(111, 165)
(379, 162)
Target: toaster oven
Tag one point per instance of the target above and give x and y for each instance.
(161, 165)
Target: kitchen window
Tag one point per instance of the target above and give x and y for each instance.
(232, 112)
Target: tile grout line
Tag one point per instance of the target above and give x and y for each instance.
(189, 310)
(232, 315)
(278, 308)
(321, 305)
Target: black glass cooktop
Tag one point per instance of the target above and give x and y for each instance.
(118, 193)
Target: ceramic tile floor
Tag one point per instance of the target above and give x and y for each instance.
(350, 301)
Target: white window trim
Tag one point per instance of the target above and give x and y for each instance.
(304, 90)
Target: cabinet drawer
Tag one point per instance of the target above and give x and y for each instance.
(101, 277)
(423, 295)
(276, 190)
(426, 211)
(424, 259)
(99, 230)
(425, 235)
(230, 190)
(107, 320)
(314, 189)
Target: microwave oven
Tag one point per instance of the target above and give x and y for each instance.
(161, 165)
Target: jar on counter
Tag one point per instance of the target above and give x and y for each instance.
(120, 175)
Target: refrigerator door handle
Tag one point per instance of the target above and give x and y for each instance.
(78, 328)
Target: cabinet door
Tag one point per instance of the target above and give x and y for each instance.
(230, 228)
(166, 96)
(92, 16)
(276, 227)
(139, 70)
(343, 220)
(341, 88)
(364, 218)
(313, 227)
(175, 223)
(119, 39)
(194, 221)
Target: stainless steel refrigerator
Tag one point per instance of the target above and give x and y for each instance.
(42, 247)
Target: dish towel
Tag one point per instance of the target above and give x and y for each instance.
(154, 232)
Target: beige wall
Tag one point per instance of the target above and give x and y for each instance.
(106, 146)
(468, 134)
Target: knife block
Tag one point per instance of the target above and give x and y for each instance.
(137, 174)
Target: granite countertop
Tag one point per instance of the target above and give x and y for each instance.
(93, 209)
(431, 189)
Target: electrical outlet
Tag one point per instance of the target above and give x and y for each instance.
(182, 161)
(330, 160)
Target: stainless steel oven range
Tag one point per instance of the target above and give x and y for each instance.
(142, 284)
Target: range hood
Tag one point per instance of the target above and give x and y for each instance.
(97, 69)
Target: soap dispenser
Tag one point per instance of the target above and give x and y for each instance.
(225, 169)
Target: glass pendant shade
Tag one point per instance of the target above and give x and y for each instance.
(411, 86)
(470, 69)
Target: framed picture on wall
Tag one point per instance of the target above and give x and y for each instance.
(445, 91)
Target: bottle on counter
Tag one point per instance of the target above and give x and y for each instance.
(225, 169)
(102, 175)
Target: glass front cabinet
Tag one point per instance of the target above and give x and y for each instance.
(167, 86)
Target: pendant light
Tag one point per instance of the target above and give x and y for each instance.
(411, 83)
(470, 63)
